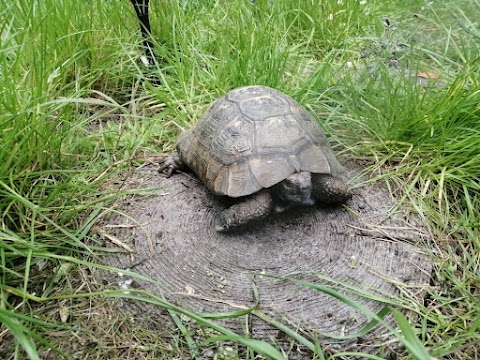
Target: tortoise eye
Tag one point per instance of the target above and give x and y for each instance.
(288, 184)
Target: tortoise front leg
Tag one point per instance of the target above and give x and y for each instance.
(141, 9)
(252, 208)
(329, 190)
(170, 164)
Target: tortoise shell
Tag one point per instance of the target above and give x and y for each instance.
(252, 138)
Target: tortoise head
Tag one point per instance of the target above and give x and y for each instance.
(295, 190)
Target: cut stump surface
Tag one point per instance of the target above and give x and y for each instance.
(360, 244)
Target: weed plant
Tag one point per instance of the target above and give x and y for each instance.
(395, 85)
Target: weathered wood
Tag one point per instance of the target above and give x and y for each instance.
(359, 244)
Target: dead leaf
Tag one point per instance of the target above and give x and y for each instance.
(64, 312)
(433, 74)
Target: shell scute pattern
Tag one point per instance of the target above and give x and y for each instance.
(263, 107)
(234, 141)
(252, 138)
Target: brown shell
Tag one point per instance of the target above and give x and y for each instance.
(252, 138)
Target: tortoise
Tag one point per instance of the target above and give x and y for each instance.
(258, 144)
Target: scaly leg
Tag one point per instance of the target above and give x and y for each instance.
(252, 208)
(329, 190)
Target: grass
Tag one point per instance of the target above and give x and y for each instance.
(76, 113)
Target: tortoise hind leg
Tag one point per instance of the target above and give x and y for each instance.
(252, 208)
(329, 190)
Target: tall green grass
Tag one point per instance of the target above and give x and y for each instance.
(423, 141)
(77, 111)
(53, 56)
(222, 45)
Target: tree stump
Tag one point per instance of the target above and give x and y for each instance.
(359, 244)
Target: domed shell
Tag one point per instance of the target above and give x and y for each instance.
(252, 138)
